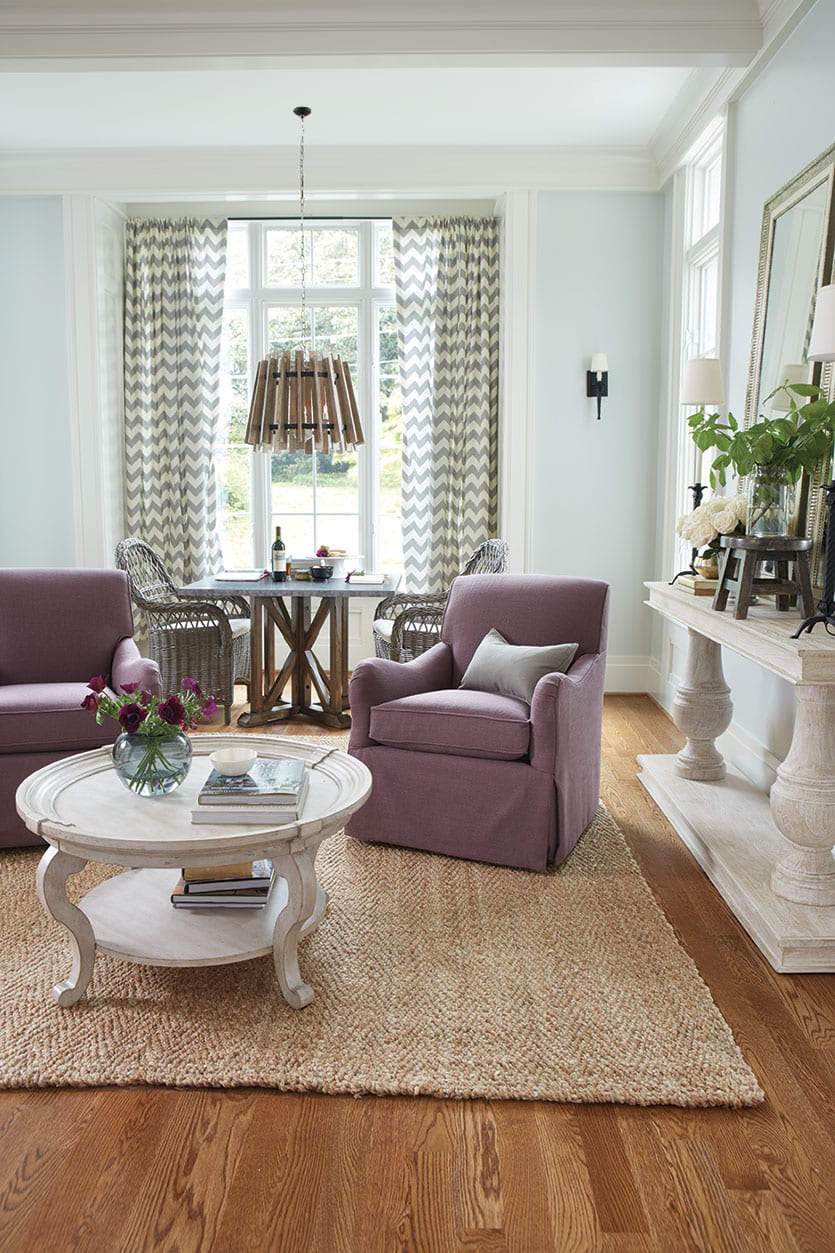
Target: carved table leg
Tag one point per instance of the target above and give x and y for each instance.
(702, 710)
(803, 802)
(53, 870)
(298, 871)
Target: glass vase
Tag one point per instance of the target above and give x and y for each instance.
(767, 503)
(152, 765)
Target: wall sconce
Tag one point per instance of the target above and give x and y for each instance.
(597, 378)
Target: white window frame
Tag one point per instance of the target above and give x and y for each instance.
(369, 297)
(700, 247)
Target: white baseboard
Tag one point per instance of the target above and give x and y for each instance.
(629, 674)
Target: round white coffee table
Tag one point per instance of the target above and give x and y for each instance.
(79, 806)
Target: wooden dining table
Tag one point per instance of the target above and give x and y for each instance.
(318, 691)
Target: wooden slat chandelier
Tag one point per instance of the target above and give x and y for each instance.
(303, 400)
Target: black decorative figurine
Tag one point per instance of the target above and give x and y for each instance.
(827, 604)
(698, 491)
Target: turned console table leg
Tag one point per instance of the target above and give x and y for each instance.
(702, 710)
(803, 802)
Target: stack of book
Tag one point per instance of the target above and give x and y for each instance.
(243, 885)
(271, 794)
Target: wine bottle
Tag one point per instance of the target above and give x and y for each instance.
(279, 560)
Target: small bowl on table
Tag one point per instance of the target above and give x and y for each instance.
(321, 574)
(233, 761)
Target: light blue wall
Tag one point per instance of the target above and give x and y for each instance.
(36, 505)
(600, 261)
(784, 121)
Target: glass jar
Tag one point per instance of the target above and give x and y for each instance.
(152, 765)
(768, 491)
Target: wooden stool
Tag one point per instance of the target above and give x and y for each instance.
(738, 573)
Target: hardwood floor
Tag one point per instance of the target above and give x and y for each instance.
(132, 1169)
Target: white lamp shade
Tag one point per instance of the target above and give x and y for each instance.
(702, 383)
(789, 374)
(822, 342)
(599, 363)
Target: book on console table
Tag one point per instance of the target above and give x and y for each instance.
(269, 782)
(371, 579)
(696, 585)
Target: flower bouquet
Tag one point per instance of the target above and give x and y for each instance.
(153, 754)
(705, 525)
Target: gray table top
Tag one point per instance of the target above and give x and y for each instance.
(214, 587)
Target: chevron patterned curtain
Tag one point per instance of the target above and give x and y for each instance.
(173, 322)
(447, 291)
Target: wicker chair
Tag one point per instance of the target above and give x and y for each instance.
(208, 640)
(407, 624)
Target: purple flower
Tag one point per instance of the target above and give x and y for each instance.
(191, 685)
(173, 711)
(210, 707)
(91, 702)
(131, 717)
(98, 683)
(130, 687)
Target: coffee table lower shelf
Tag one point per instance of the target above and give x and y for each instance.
(133, 919)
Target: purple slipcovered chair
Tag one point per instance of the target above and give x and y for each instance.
(58, 628)
(472, 773)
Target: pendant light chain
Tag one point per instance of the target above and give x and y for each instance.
(301, 113)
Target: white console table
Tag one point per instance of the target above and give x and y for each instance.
(771, 860)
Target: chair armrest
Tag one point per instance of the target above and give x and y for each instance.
(191, 613)
(566, 717)
(397, 602)
(129, 666)
(566, 713)
(233, 606)
(416, 630)
(375, 681)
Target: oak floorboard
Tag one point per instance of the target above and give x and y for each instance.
(142, 1168)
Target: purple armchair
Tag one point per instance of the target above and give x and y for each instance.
(58, 628)
(477, 775)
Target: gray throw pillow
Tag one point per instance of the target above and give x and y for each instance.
(514, 669)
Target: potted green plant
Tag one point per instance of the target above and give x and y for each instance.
(772, 453)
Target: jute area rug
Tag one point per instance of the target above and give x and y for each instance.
(432, 976)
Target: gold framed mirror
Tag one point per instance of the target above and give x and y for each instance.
(796, 247)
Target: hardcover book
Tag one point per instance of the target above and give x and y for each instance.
(269, 781)
(268, 813)
(258, 875)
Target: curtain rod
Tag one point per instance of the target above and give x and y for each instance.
(327, 217)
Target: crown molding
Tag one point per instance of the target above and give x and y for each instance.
(707, 93)
(58, 32)
(234, 175)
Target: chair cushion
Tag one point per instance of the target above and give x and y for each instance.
(514, 669)
(384, 628)
(42, 716)
(465, 724)
(240, 626)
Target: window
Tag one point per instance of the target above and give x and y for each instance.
(345, 500)
(701, 287)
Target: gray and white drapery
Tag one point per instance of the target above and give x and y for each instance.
(175, 272)
(447, 291)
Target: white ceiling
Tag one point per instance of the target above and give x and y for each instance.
(589, 106)
(114, 95)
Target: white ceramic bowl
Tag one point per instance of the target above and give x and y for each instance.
(233, 760)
